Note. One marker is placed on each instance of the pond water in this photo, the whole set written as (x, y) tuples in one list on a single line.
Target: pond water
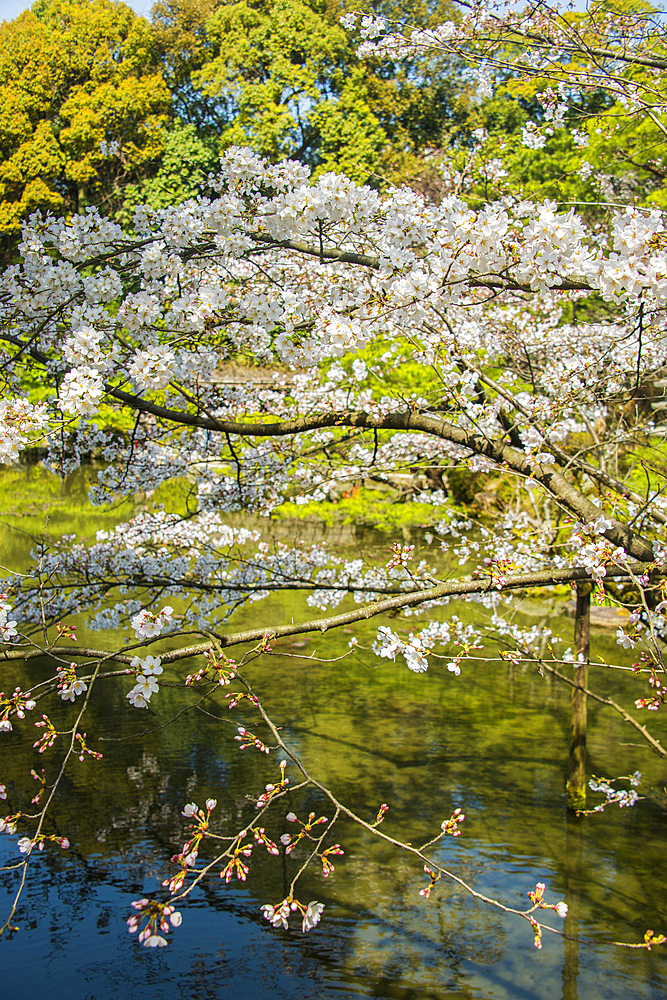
[(492, 741)]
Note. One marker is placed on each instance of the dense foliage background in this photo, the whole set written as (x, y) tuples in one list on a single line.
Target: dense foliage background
[(102, 107)]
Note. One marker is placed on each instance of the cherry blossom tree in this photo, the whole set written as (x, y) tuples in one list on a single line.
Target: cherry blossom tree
[(512, 346), (616, 48), (588, 83)]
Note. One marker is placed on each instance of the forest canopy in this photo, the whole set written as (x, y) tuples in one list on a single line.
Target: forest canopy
[(105, 108)]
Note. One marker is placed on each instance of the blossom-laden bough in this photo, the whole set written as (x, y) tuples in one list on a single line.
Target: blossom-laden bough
[(218, 848), (495, 366), (232, 852)]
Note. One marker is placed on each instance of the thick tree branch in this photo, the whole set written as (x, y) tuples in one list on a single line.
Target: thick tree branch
[(365, 260), (450, 588), (503, 454)]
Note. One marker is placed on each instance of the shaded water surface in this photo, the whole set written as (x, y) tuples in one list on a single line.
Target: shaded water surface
[(493, 741)]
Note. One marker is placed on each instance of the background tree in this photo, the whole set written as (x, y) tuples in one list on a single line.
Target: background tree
[(284, 79), (83, 107), (94, 96), (578, 105), (187, 161)]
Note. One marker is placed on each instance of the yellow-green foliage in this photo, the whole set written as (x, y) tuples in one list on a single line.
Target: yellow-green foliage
[(177, 495), (645, 470), (74, 74), (368, 507)]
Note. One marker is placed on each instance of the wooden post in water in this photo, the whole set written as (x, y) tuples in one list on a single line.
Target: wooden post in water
[(576, 779)]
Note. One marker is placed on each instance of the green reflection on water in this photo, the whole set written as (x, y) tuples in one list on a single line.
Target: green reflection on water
[(493, 741), (34, 503)]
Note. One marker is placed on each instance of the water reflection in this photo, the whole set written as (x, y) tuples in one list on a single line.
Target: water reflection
[(493, 741), (573, 888)]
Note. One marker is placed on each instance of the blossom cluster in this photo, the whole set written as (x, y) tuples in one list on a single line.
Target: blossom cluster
[(7, 625), (18, 703), (623, 796), (152, 369), (279, 914), (157, 919), (19, 421), (69, 685), (416, 647), (147, 625), (146, 669)]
